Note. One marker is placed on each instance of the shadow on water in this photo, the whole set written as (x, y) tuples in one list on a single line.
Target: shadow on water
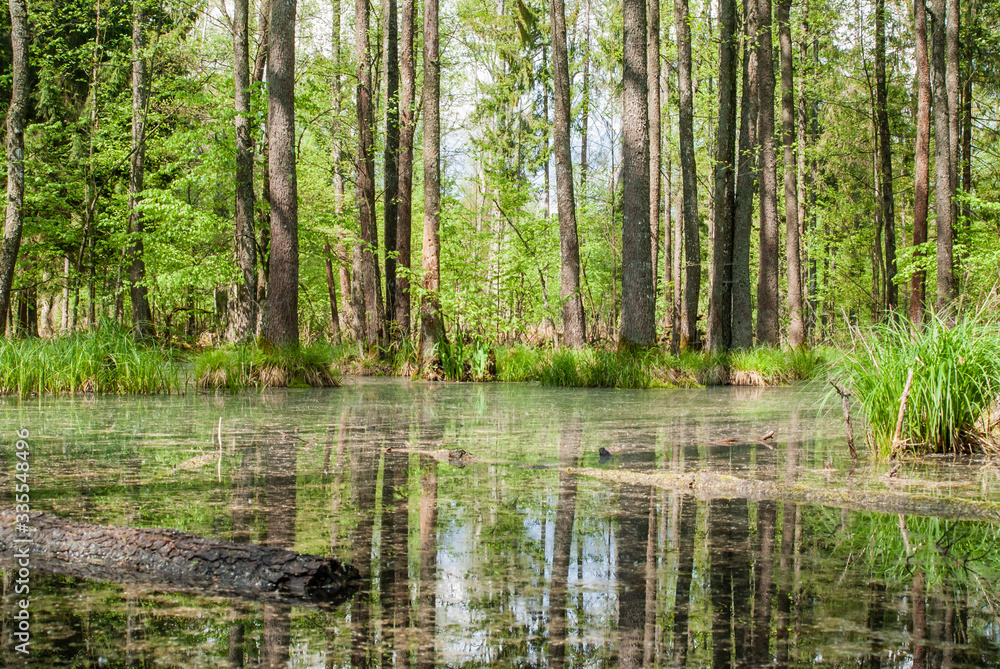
[(513, 558)]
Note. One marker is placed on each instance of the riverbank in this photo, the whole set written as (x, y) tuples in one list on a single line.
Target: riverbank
[(109, 361)]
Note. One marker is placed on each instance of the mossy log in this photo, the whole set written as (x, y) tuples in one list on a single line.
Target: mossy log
[(710, 485), (175, 561)]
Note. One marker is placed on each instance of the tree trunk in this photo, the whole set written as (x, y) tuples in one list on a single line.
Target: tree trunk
[(175, 561), (14, 219), (366, 271), (245, 319), (942, 163), (921, 161), (689, 177), (331, 288), (391, 173), (767, 274), (142, 317), (431, 323), (407, 126), (885, 159), (742, 328), (655, 139), (638, 325), (796, 327), (574, 326), (720, 306), (283, 283)]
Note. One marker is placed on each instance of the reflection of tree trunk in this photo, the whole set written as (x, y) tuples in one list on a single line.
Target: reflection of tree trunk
[(767, 513), (569, 453), (393, 581), (279, 482), (427, 599), (364, 476)]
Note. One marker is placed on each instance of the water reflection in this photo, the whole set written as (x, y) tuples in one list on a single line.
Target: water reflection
[(513, 559)]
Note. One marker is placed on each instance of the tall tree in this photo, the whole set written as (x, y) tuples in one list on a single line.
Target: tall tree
[(689, 178), (366, 270), (655, 140), (888, 203), (407, 126), (720, 306), (391, 172), (142, 317), (767, 274), (742, 316), (431, 323), (14, 218), (921, 159), (282, 327), (638, 324), (574, 326), (796, 327), (942, 160), (245, 315)]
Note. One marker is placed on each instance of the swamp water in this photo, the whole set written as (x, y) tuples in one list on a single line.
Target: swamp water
[(510, 556)]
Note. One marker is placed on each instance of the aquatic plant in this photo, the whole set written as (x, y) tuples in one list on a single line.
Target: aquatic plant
[(106, 360), (250, 365), (955, 384)]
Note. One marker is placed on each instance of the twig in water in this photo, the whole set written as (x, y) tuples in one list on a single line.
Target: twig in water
[(845, 397), (897, 435)]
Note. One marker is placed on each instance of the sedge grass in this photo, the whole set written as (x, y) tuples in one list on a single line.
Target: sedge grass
[(251, 366), (107, 360), (956, 382)]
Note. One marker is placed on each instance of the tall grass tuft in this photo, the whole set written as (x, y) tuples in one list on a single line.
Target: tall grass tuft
[(249, 365), (956, 383), (107, 360)]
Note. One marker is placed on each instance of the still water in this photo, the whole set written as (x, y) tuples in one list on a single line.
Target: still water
[(510, 557)]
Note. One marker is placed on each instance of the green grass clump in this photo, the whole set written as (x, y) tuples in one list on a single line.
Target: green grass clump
[(250, 365), (956, 382), (107, 360)]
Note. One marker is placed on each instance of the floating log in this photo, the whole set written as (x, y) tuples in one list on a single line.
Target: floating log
[(174, 561)]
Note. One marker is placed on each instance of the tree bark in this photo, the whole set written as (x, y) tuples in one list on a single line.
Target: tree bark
[(142, 317), (689, 177), (282, 327), (176, 561), (331, 288), (14, 218), (245, 317), (720, 306), (407, 125), (391, 172), (888, 203), (742, 316), (431, 323), (921, 161), (655, 138), (767, 274), (366, 271), (942, 162), (796, 327), (574, 326), (638, 324)]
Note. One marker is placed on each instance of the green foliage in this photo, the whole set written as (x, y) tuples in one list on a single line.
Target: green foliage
[(249, 365), (105, 361), (956, 381)]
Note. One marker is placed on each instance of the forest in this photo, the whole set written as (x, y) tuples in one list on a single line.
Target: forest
[(705, 175)]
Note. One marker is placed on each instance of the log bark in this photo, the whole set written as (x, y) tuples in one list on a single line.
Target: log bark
[(175, 561)]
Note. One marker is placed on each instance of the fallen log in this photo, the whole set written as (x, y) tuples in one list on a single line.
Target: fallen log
[(174, 561), (710, 485)]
